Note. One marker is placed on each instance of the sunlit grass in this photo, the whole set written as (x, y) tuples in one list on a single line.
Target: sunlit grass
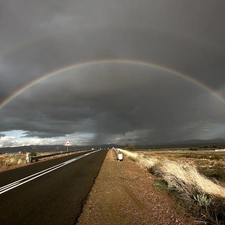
[(203, 197), (12, 159)]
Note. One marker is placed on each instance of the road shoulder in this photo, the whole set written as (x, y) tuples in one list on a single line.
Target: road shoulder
[(124, 193)]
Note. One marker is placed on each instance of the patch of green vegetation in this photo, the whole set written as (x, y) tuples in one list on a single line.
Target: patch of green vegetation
[(160, 185)]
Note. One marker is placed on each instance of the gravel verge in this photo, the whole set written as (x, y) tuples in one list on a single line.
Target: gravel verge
[(124, 193)]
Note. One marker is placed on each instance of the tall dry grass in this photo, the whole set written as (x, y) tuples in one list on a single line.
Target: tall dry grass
[(12, 159), (182, 177), (204, 199)]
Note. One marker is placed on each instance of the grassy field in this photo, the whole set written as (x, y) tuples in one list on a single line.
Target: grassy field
[(196, 179)]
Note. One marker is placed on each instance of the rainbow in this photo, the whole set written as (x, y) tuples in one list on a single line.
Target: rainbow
[(108, 61)]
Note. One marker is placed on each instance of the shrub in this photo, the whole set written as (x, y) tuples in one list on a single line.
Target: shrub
[(33, 154), (130, 147)]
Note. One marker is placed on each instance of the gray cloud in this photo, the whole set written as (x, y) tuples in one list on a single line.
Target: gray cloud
[(115, 102)]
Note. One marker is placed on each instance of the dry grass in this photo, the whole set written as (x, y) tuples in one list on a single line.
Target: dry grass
[(12, 159), (204, 198), (180, 176)]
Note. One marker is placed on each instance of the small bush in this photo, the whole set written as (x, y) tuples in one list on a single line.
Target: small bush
[(130, 147), (33, 154), (203, 200)]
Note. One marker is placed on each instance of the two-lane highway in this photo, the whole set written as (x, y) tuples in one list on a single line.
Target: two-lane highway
[(51, 192)]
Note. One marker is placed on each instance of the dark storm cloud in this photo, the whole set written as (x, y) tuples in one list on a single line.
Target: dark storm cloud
[(29, 63), (112, 104), (115, 102)]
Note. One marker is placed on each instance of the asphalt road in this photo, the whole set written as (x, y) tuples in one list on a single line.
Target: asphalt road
[(55, 198)]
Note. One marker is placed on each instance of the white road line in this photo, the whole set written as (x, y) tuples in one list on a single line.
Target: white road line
[(15, 182), (29, 178)]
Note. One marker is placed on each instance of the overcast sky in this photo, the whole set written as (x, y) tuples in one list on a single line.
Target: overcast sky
[(141, 72)]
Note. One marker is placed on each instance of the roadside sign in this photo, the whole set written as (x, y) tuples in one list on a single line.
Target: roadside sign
[(67, 144)]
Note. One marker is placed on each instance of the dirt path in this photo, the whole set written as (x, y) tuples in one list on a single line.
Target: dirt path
[(124, 193)]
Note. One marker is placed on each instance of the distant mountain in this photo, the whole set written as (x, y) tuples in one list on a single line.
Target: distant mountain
[(57, 148), (201, 142), (184, 143)]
